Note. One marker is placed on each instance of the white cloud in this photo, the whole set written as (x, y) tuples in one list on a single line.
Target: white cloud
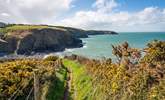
[(5, 14), (104, 15), (150, 18), (105, 5), (34, 11)]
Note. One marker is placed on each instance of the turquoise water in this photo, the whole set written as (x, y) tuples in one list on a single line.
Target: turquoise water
[(99, 46)]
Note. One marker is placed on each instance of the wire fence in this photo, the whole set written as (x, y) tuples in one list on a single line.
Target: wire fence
[(30, 93), (14, 96), (33, 91)]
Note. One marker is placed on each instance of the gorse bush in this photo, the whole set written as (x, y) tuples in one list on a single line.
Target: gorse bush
[(51, 58), (125, 52), (19, 74), (155, 52), (133, 77)]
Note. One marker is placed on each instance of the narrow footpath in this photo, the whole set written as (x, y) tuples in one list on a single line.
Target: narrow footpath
[(68, 86)]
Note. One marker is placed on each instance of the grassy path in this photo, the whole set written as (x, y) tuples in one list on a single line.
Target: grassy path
[(80, 84), (57, 87), (68, 85), (72, 83)]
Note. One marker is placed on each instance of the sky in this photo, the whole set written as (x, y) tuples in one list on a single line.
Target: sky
[(116, 15)]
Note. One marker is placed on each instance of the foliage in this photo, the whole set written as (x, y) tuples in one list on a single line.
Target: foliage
[(133, 77), (19, 73), (130, 79), (22, 27), (51, 58), (155, 52), (123, 51), (56, 88)]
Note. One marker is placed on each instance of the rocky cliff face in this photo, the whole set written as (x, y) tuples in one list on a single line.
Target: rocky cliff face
[(27, 39), (94, 32), (78, 33), (8, 44), (26, 42), (2, 25)]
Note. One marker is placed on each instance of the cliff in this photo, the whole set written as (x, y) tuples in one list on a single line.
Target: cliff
[(38, 40), (95, 32), (27, 39), (2, 25), (79, 33)]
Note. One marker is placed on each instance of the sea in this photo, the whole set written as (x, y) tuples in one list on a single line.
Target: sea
[(100, 46)]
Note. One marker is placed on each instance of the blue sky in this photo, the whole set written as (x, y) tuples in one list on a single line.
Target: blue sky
[(127, 5), (117, 15), (136, 5)]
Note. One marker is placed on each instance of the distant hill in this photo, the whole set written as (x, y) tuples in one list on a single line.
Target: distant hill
[(97, 32)]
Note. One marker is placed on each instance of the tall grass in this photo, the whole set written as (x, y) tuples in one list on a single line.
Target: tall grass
[(12, 28)]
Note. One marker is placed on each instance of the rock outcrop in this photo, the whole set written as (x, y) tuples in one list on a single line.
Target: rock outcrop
[(8, 44), (95, 32), (2, 25), (78, 33), (26, 42)]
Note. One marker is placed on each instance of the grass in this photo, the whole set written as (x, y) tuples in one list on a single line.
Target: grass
[(18, 27), (21, 27), (57, 87), (81, 86)]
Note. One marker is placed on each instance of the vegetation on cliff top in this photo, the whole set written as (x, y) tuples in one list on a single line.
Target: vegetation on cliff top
[(80, 33), (25, 27), (15, 27)]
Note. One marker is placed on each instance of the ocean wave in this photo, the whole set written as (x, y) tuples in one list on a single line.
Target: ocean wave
[(85, 46), (69, 50)]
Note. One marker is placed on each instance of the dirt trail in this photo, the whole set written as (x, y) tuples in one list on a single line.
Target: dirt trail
[(68, 86)]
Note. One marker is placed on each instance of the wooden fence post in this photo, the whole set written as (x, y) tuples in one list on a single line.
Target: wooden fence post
[(36, 85)]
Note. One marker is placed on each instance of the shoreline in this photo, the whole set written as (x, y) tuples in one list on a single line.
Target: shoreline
[(41, 55), (66, 52)]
